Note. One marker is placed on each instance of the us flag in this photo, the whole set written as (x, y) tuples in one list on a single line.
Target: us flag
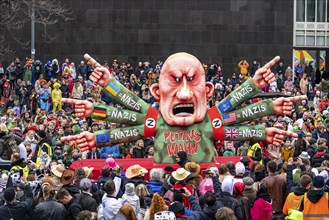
[(228, 118)]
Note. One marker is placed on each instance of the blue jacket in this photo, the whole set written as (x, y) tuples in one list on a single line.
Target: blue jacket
[(154, 187), (106, 151)]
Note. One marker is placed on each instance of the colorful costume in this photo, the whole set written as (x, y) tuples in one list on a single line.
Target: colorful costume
[(44, 94), (56, 96)]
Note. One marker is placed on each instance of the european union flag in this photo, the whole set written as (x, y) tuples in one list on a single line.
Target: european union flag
[(102, 138), (226, 105)]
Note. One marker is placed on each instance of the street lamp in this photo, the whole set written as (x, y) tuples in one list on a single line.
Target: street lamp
[(33, 30)]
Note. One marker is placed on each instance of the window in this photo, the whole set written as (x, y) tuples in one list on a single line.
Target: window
[(310, 15), (300, 10), (321, 10)]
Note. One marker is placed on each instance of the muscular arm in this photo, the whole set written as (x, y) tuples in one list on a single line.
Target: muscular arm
[(108, 113), (244, 92), (119, 135), (250, 112), (114, 89), (243, 133), (123, 96)]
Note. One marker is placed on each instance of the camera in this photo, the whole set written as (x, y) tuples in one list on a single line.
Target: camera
[(205, 172), (179, 190)]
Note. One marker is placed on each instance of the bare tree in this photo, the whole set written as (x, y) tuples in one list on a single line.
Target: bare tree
[(15, 14)]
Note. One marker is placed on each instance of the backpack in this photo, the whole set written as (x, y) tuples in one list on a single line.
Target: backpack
[(294, 213)]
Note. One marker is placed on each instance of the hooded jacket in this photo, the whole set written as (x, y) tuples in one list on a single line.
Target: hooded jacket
[(262, 208), (183, 158), (207, 212), (130, 197), (295, 197), (111, 206)]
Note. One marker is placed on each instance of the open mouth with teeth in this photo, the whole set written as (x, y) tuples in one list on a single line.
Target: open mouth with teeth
[(183, 109)]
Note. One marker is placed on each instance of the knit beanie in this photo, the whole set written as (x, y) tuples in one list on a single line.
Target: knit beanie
[(318, 182), (227, 185), (130, 189)]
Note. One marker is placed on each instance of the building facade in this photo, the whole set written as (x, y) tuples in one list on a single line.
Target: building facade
[(224, 31)]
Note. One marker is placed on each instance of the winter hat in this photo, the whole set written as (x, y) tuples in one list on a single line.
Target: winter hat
[(206, 185), (215, 169), (111, 162), (227, 185), (164, 215), (9, 194), (248, 182), (85, 183), (318, 182), (182, 155), (42, 133), (130, 189), (238, 188), (177, 208), (239, 168)]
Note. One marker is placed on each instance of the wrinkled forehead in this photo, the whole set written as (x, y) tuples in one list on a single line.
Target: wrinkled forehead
[(182, 62)]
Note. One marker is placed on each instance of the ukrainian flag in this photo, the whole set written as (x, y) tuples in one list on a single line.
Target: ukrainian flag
[(113, 89)]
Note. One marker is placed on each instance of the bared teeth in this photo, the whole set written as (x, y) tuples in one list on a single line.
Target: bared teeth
[(184, 105)]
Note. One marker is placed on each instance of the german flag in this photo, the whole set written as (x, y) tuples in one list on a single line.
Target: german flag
[(100, 112)]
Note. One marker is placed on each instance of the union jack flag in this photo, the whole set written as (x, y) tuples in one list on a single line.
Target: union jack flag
[(231, 133)]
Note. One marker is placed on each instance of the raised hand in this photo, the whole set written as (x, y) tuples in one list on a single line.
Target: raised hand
[(275, 136), (264, 76), (85, 140), (100, 75), (82, 108), (284, 106)]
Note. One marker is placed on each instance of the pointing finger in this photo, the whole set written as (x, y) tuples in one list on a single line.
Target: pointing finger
[(272, 62), (298, 98), (69, 101), (92, 61)]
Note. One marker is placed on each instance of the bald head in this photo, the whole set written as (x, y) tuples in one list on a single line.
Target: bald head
[(181, 58)]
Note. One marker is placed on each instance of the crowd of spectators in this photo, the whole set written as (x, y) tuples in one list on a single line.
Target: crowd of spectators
[(269, 182)]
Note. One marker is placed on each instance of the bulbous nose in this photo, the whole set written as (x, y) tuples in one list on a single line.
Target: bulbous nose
[(184, 93)]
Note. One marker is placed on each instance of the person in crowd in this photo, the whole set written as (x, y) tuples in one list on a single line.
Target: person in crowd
[(13, 209), (262, 207), (181, 158), (73, 207), (130, 197), (276, 186), (111, 205), (158, 204), (213, 201), (110, 152), (138, 149), (156, 180), (49, 208), (85, 198), (315, 202)]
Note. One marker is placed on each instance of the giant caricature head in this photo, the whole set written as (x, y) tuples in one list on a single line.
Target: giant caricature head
[(182, 90)]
